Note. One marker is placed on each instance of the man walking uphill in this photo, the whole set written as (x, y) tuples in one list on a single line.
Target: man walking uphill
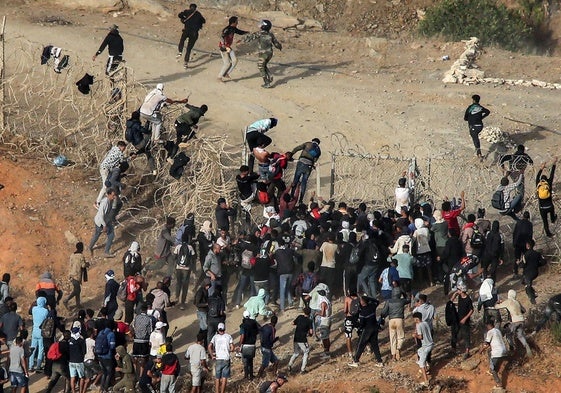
[(544, 185), (193, 21), (474, 115), (114, 42)]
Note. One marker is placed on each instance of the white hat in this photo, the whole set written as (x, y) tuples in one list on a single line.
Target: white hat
[(221, 326), (160, 86), (160, 325), (246, 314)]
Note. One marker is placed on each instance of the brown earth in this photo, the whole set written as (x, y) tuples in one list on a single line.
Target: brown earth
[(326, 82)]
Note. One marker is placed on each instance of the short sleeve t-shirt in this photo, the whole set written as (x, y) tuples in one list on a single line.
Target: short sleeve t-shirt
[(328, 250), (16, 354), (221, 344), (90, 349), (465, 305), (156, 340), (423, 328), (195, 353), (495, 339), (451, 217), (303, 326), (11, 323)]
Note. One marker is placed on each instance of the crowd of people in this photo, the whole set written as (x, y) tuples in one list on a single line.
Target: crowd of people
[(305, 253)]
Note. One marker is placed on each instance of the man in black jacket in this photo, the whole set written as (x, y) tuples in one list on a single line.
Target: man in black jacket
[(223, 213), (474, 115), (114, 42), (193, 21), (531, 262), (544, 185), (523, 232)]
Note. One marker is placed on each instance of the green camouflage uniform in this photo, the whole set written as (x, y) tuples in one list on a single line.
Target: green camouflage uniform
[(265, 42)]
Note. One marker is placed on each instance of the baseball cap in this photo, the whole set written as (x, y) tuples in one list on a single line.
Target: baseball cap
[(246, 314), (160, 325), (282, 376), (110, 273), (221, 326)]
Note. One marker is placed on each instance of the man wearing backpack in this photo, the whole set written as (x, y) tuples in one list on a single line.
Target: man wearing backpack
[(474, 115), (544, 186), (310, 154), (104, 350), (351, 309), (60, 363), (512, 194), (185, 261)]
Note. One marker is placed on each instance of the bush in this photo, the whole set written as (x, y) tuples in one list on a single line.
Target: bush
[(491, 22)]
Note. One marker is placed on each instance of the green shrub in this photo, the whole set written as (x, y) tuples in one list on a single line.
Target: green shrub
[(488, 20)]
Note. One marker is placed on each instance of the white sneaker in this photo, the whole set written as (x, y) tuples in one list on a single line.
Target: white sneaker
[(179, 54)]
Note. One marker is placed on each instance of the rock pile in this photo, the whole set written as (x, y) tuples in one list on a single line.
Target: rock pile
[(495, 135), (465, 71)]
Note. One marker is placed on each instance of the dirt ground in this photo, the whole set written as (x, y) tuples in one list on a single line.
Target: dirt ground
[(325, 82)]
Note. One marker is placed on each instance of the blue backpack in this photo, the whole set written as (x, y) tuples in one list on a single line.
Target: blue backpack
[(102, 343), (314, 151)]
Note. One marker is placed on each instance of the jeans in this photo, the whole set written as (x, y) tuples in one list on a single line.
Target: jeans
[(167, 383), (192, 37), (76, 290), (243, 282), (110, 236), (305, 349), (104, 173), (108, 371), (301, 176), (229, 61), (285, 280), (367, 280), (202, 317), (39, 349), (182, 284), (543, 213)]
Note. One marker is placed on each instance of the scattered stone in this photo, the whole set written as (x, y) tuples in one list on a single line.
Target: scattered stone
[(470, 364)]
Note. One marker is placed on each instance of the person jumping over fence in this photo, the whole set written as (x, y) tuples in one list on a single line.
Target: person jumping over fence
[(186, 123), (266, 41), (474, 115), (544, 185), (114, 43), (311, 153), (255, 132)]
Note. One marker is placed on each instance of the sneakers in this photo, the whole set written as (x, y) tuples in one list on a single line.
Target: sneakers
[(179, 54), (185, 65), (266, 85), (324, 356), (182, 307), (353, 364), (379, 364)]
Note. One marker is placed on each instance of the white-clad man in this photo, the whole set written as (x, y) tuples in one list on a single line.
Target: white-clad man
[(150, 109), (219, 348)]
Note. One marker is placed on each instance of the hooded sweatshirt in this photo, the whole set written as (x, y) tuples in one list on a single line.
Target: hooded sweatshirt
[(126, 360), (394, 308), (39, 313), (255, 305), (161, 299), (513, 306), (422, 236), (486, 290)]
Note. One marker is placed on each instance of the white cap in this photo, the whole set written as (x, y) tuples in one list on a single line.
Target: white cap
[(246, 314), (221, 326), (160, 325), (160, 86)]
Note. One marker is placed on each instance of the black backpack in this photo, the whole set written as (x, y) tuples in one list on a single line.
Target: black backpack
[(477, 239), (184, 259), (48, 327), (178, 166), (451, 314), (497, 200), (354, 258), (215, 306)]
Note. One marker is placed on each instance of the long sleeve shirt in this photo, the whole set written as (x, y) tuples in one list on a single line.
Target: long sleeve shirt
[(114, 42), (113, 158), (475, 114), (103, 215), (227, 37)]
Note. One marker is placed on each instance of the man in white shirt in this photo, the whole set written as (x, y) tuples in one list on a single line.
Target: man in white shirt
[(494, 342), (220, 347), (196, 354), (104, 223), (402, 195), (150, 109)]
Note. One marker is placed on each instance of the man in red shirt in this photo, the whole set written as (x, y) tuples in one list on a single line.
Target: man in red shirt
[(451, 216)]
